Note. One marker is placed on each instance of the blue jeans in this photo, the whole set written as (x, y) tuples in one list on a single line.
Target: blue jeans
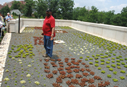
[(48, 45)]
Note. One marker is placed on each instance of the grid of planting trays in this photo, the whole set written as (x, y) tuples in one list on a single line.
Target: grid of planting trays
[(82, 61)]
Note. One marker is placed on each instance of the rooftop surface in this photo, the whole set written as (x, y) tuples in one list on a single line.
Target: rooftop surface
[(82, 61)]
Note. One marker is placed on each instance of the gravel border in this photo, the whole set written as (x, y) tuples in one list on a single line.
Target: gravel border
[(4, 46)]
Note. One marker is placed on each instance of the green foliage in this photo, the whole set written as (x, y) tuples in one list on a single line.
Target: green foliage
[(103, 71), (121, 59), (108, 66), (113, 58), (81, 57), (41, 7), (109, 59), (125, 58), (5, 10), (117, 60), (9, 52), (123, 63), (17, 5), (122, 77), (96, 65), (115, 72), (109, 76), (107, 62), (90, 58), (96, 58), (10, 56), (28, 7), (118, 67), (114, 54), (102, 56), (117, 57), (118, 64), (99, 68), (122, 71), (97, 55), (109, 55), (66, 7), (96, 61), (113, 61), (102, 60), (113, 65), (110, 69), (86, 59), (125, 66), (91, 63), (102, 63), (115, 80)]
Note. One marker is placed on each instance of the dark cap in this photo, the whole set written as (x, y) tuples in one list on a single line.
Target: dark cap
[(49, 10)]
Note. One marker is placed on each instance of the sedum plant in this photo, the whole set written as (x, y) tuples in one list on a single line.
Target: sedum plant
[(107, 62), (109, 76), (113, 65), (122, 77), (6, 79), (103, 71), (125, 66), (118, 67), (110, 69), (115, 80), (115, 72), (37, 82), (22, 81), (99, 68), (122, 71), (108, 66), (96, 65)]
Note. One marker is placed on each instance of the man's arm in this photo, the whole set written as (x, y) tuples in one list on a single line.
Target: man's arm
[(52, 34), (6, 18)]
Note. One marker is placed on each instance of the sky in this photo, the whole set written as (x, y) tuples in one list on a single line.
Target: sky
[(101, 5)]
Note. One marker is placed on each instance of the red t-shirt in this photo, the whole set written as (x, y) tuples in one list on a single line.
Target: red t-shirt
[(48, 24)]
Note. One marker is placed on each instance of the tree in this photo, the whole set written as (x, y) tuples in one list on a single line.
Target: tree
[(93, 17), (108, 17), (41, 8), (54, 6), (101, 17), (80, 13), (124, 16), (16, 5), (116, 20), (66, 8), (28, 7), (5, 10)]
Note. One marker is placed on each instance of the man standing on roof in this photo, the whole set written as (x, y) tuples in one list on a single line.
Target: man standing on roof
[(49, 33), (8, 18)]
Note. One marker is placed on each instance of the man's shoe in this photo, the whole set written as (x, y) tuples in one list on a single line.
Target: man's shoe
[(45, 55), (48, 57)]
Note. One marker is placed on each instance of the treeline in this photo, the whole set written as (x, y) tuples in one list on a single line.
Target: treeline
[(95, 16), (64, 9)]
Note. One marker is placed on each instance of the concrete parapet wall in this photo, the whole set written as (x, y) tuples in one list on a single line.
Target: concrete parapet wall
[(114, 33)]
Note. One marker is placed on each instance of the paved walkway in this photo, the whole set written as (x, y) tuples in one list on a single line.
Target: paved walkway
[(3, 53)]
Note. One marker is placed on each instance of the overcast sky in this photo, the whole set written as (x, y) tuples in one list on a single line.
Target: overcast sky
[(102, 5)]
